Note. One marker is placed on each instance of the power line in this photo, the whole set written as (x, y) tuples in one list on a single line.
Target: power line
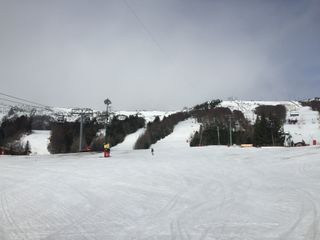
[(16, 102), (144, 27)]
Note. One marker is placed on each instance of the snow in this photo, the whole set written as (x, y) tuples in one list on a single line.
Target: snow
[(66, 113), (130, 140), (38, 140), (307, 127), (248, 107), (181, 136), (215, 192), (149, 116), (179, 193)]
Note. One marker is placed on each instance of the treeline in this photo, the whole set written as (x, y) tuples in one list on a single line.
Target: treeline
[(158, 129), (277, 112), (206, 105), (268, 128), (118, 130), (11, 130), (41, 122), (314, 104), (215, 127), (65, 137), (218, 123)]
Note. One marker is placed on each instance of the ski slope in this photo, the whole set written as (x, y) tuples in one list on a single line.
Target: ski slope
[(38, 140), (129, 141), (181, 136), (248, 107), (308, 121), (179, 193), (307, 127)]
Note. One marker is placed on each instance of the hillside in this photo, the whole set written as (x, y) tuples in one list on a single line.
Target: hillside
[(38, 141), (302, 123), (248, 107), (208, 192), (307, 125)]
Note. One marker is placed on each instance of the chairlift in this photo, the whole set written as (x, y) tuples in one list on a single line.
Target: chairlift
[(80, 111), (121, 117), (61, 119), (294, 114)]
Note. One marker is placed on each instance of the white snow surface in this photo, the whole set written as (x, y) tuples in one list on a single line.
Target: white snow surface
[(179, 193), (181, 136), (38, 140), (129, 141), (307, 127)]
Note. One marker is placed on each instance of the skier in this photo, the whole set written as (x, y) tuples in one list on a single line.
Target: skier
[(152, 151), (106, 150)]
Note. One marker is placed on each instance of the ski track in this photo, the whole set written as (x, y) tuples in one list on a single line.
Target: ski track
[(189, 194)]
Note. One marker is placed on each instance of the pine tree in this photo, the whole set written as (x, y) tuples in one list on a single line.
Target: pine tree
[(268, 131), (260, 135)]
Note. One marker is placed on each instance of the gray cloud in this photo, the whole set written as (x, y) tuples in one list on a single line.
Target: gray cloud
[(173, 53)]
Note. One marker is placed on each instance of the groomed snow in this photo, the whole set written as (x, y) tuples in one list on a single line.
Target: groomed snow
[(39, 140), (130, 140), (307, 127), (181, 135), (179, 138), (179, 193)]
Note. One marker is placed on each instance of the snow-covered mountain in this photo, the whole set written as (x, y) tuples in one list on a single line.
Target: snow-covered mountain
[(212, 192), (248, 107), (302, 123), (67, 114)]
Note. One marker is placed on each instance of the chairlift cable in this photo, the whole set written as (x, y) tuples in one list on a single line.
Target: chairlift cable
[(24, 100), (144, 27), (20, 103)]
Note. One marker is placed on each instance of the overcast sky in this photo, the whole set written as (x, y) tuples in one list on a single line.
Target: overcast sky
[(158, 54)]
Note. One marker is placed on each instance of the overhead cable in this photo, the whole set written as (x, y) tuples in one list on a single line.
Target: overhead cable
[(144, 27), (24, 100)]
